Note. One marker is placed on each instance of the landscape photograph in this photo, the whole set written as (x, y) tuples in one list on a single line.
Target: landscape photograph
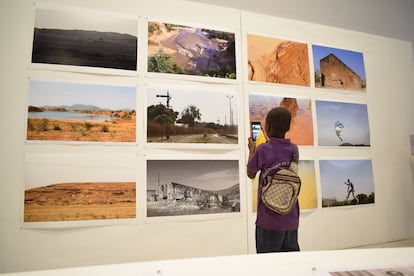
[(192, 187), (339, 69), (79, 187), (342, 124), (275, 60), (192, 114), (186, 50), (346, 182), (78, 37), (301, 126), (308, 196), (80, 112)]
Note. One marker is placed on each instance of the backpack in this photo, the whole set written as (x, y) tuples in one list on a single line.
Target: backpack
[(280, 192)]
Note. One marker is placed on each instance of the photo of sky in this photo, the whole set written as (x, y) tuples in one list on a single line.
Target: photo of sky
[(48, 93), (354, 120), (211, 175), (81, 19), (334, 174), (213, 105)]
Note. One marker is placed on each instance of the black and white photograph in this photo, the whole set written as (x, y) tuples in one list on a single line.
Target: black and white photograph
[(192, 187), (87, 38)]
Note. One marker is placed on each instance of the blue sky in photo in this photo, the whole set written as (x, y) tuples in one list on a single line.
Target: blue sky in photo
[(334, 173), (42, 93), (354, 118), (353, 60)]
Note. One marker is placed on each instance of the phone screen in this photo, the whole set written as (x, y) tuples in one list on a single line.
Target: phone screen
[(255, 130)]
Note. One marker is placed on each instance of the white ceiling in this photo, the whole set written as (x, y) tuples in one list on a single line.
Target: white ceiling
[(389, 18)]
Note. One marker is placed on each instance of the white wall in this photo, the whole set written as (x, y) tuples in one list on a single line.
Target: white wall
[(389, 70)]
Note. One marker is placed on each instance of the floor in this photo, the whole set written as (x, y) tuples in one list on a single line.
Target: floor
[(400, 243)]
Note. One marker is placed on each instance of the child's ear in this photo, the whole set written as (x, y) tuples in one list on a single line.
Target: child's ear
[(268, 129)]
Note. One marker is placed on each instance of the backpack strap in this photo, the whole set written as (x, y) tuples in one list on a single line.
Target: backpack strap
[(291, 165)]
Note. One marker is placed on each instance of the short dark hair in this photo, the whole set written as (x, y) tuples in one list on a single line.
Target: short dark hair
[(278, 122)]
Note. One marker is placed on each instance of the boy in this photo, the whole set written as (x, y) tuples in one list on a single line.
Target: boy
[(274, 232)]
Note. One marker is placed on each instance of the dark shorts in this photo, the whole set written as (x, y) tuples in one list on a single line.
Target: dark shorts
[(276, 241)]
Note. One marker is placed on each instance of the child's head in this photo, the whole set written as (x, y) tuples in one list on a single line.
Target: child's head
[(277, 122)]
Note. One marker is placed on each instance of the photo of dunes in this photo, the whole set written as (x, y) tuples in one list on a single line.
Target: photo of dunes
[(79, 112), (80, 201), (85, 38), (276, 60), (185, 50), (79, 187)]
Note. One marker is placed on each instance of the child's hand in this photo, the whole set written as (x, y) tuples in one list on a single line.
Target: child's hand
[(252, 145)]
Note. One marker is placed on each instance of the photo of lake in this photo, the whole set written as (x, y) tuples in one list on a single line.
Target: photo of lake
[(80, 112)]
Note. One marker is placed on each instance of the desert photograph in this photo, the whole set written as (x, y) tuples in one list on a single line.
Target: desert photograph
[(301, 126), (185, 115), (178, 49), (79, 112), (78, 37), (79, 187), (276, 60)]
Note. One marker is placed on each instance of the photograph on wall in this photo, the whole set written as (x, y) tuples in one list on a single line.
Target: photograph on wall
[(383, 271), (86, 38), (342, 124), (339, 69), (79, 187), (308, 196), (192, 187), (346, 182), (192, 114), (276, 60), (80, 112), (187, 50), (301, 126)]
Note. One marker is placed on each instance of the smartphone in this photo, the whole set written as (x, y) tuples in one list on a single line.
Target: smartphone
[(256, 126)]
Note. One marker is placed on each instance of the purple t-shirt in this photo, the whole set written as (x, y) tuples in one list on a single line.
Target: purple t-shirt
[(275, 151)]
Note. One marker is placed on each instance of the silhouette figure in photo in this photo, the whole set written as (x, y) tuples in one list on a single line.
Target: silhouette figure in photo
[(350, 189)]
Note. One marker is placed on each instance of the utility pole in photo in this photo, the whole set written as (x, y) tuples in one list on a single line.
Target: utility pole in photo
[(168, 112)]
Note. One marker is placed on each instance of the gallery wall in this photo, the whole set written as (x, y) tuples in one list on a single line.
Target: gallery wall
[(42, 245)]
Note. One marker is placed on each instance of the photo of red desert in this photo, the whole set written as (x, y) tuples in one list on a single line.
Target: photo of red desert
[(80, 201)]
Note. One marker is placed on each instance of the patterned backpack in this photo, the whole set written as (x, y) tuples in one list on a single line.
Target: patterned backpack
[(280, 191)]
